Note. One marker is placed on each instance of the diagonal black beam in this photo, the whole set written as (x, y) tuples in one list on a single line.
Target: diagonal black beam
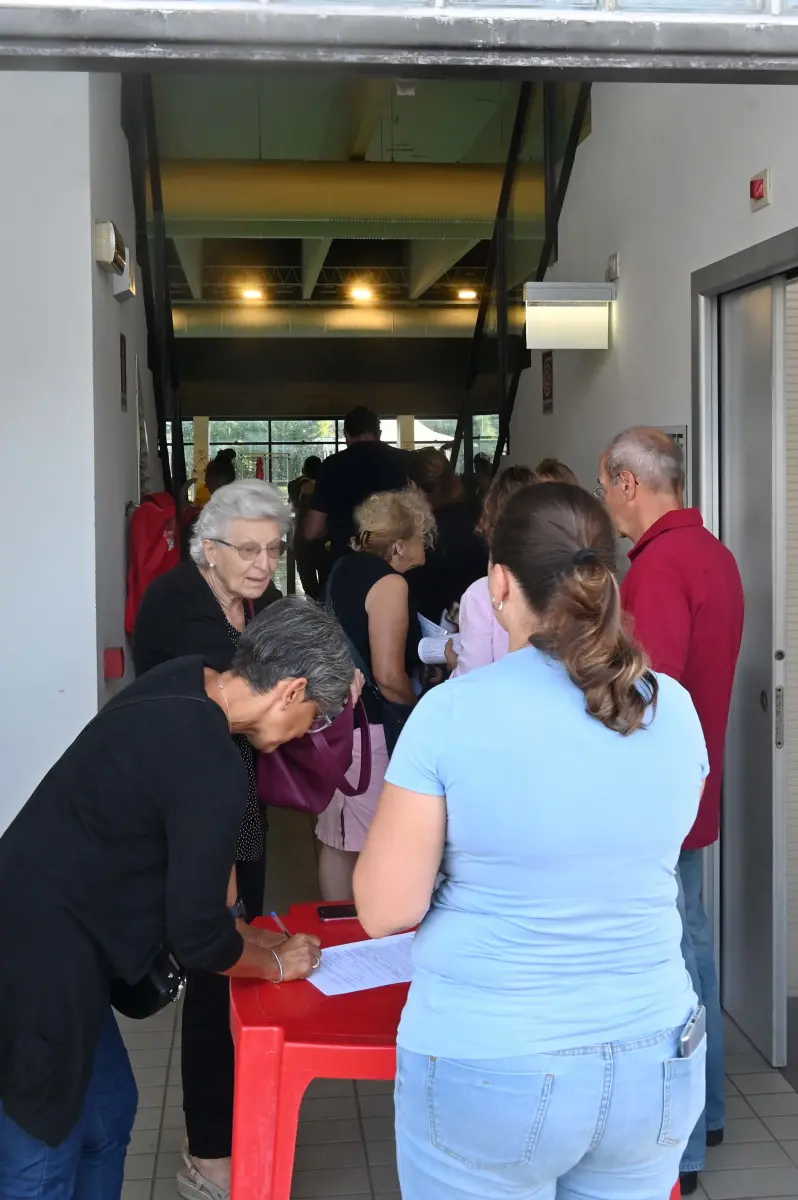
[(465, 416), (548, 249), (163, 301), (133, 125)]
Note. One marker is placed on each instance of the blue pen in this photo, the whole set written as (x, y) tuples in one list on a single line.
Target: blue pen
[(280, 924)]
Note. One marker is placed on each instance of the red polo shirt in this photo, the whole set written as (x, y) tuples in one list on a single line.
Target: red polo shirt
[(685, 596)]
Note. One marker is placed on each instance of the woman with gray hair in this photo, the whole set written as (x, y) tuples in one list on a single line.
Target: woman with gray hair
[(125, 850), (203, 607)]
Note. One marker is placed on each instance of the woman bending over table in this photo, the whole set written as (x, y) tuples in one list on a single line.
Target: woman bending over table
[(124, 850), (539, 1051)]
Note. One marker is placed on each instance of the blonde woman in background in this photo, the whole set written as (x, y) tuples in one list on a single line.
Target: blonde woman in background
[(370, 597), (551, 470), (482, 638)]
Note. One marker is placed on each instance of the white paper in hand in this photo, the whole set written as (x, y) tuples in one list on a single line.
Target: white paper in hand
[(360, 966)]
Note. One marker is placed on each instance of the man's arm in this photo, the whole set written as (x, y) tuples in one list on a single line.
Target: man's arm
[(315, 526), (661, 619)]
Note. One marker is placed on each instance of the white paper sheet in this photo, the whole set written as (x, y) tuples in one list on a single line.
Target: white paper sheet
[(359, 966)]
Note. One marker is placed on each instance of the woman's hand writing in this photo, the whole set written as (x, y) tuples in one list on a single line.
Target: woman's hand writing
[(265, 938), (299, 956)]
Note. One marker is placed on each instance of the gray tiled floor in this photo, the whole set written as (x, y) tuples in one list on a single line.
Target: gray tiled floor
[(345, 1145)]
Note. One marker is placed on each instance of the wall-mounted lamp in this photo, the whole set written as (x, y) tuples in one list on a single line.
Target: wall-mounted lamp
[(568, 316), (251, 293), (467, 294), (361, 293)]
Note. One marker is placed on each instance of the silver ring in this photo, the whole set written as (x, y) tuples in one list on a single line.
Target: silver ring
[(316, 963)]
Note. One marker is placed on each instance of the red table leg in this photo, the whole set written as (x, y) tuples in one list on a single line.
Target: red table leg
[(259, 1061)]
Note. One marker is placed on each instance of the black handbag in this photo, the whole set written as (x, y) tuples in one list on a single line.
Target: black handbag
[(163, 984)]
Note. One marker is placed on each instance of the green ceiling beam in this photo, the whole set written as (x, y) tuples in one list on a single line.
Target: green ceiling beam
[(314, 252), (402, 230), (191, 255), (429, 260)]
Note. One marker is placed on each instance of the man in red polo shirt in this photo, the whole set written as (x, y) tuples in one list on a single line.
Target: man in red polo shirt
[(684, 594)]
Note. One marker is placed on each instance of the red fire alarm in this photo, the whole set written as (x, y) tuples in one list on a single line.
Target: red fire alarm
[(759, 190), (114, 663)]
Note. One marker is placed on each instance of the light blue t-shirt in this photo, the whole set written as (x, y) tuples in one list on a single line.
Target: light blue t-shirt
[(556, 925)]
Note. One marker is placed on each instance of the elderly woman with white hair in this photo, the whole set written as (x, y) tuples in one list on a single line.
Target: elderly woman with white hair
[(202, 607)]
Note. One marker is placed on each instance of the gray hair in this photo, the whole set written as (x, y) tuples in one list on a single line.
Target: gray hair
[(652, 456), (246, 499), (296, 638)]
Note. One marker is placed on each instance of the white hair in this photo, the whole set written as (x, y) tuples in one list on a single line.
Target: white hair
[(652, 456), (246, 499)]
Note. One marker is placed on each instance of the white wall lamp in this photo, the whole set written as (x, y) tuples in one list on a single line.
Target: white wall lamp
[(568, 316)]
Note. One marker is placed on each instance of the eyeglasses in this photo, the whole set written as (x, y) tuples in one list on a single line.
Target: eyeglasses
[(249, 551), (320, 723), (600, 492)]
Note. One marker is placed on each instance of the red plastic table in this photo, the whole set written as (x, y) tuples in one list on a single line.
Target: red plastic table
[(288, 1035)]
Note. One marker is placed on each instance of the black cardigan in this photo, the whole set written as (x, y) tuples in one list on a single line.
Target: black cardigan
[(180, 615), (126, 844)]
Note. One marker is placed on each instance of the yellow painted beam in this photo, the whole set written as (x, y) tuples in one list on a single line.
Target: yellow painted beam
[(214, 190)]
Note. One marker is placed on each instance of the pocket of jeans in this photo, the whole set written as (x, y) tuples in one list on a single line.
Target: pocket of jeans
[(483, 1118), (684, 1091)]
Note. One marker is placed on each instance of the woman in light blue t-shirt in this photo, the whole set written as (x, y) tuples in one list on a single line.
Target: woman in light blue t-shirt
[(541, 1049)]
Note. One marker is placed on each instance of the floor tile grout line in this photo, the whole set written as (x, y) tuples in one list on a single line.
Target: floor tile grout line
[(362, 1128)]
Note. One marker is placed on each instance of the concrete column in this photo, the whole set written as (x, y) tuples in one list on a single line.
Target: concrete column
[(406, 431), (201, 448)]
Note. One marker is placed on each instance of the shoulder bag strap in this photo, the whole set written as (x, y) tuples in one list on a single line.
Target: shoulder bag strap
[(333, 767)]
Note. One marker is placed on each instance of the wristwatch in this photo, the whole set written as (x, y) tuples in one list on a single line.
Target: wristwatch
[(238, 911)]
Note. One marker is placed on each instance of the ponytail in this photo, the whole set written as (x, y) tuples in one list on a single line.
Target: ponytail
[(585, 631), (557, 541)]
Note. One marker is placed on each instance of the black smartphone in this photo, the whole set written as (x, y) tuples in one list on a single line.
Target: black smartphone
[(337, 912)]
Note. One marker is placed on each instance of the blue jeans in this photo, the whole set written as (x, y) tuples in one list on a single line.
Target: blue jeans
[(699, 956), (604, 1123), (90, 1163)]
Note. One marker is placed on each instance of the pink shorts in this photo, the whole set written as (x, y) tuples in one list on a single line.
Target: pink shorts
[(346, 822)]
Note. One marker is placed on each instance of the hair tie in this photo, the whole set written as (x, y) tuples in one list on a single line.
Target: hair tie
[(585, 556)]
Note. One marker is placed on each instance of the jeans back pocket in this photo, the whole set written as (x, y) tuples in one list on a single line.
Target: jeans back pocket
[(483, 1118), (683, 1097)]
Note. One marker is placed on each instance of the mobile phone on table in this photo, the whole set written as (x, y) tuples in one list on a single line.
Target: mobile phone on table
[(337, 912), (693, 1033)]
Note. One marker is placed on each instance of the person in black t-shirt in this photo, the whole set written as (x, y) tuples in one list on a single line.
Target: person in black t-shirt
[(348, 478), (369, 595), (460, 554), (126, 847)]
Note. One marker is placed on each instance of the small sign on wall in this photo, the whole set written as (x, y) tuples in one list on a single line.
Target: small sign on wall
[(547, 372)]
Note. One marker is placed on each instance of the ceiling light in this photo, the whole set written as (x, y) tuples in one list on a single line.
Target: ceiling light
[(466, 294), (568, 316), (361, 292), (252, 293)]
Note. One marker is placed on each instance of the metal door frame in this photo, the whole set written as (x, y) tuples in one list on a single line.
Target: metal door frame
[(756, 264), (754, 40)]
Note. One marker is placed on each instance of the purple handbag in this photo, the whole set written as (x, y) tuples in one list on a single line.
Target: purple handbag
[(305, 774)]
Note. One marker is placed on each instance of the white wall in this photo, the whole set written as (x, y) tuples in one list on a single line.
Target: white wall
[(116, 467), (663, 179), (63, 159), (46, 426)]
